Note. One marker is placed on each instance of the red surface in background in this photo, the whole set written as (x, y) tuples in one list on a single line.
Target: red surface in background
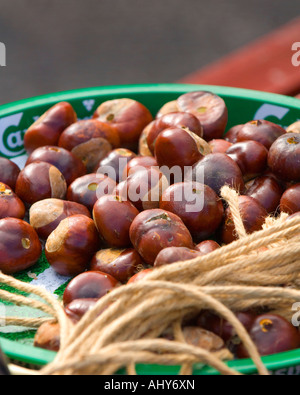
[(265, 65)]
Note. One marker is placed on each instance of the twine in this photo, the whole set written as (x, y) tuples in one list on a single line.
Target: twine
[(261, 270)]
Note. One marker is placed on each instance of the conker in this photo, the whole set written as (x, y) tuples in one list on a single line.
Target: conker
[(267, 190), (89, 285), (90, 140), (144, 188), (219, 145), (271, 334), (87, 189), (114, 163), (138, 163), (48, 336), (113, 217), (209, 108), (48, 128), (19, 245), (174, 254), (40, 180), (182, 120), (290, 200), (284, 157), (140, 275), (10, 204), (70, 247), (253, 215), (251, 157), (265, 132), (207, 246), (128, 116), (217, 170), (9, 172), (46, 215), (156, 229), (76, 309), (68, 164), (122, 264), (179, 147), (197, 205)]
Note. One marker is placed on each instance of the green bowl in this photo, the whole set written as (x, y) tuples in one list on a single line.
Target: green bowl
[(243, 105)]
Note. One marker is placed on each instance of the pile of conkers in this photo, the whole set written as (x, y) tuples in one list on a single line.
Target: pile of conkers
[(113, 197)]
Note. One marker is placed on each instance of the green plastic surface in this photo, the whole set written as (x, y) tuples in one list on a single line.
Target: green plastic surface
[(243, 105)]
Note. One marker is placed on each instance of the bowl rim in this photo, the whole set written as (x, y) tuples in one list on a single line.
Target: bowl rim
[(82, 93), (33, 355)]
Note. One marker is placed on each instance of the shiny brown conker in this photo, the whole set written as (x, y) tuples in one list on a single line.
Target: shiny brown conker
[(197, 205), (271, 334), (46, 215), (122, 264), (156, 229), (71, 246), (87, 189), (114, 163), (10, 204), (290, 200), (209, 108), (284, 157), (89, 285), (253, 215), (48, 128), (217, 170), (144, 188), (9, 172), (90, 140), (128, 116), (179, 147), (182, 120), (251, 157), (267, 190), (113, 217), (19, 245), (174, 254), (68, 164), (265, 132), (38, 181)]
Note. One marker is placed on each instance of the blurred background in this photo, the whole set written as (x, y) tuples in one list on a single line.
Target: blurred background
[(55, 45)]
